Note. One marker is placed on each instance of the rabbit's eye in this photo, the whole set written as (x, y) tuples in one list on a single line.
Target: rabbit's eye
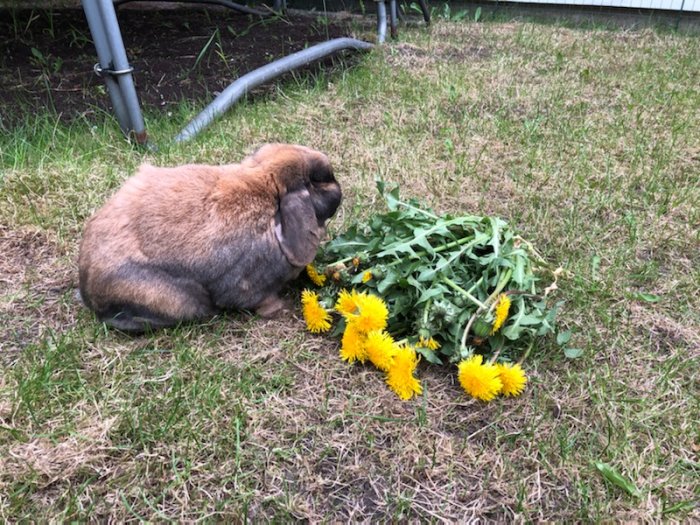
[(321, 172)]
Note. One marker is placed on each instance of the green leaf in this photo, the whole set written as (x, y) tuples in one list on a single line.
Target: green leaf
[(410, 250), (519, 271), (595, 267), (338, 329), (428, 274), (563, 337), (429, 355), (681, 506), (37, 54), (389, 280), (530, 320), (496, 234), (648, 297), (513, 332), (613, 476), (552, 314), (430, 293), (380, 185), (573, 353), (423, 242), (392, 198)]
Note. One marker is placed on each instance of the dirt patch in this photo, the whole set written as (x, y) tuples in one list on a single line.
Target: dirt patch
[(47, 57), (34, 285), (85, 450), (664, 334), (408, 55)]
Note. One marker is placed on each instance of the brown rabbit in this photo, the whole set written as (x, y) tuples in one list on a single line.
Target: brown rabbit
[(176, 244)]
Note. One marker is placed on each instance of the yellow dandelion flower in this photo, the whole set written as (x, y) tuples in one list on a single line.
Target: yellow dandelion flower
[(400, 376), (353, 345), (380, 349), (347, 302), (316, 317), (429, 343), (479, 380), (317, 278), (502, 308), (373, 313), (367, 276), (513, 378)]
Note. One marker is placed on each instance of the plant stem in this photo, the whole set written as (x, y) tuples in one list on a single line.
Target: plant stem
[(477, 283), (527, 352), (490, 301), (503, 281), (496, 354), (452, 244), (425, 311), (465, 293)]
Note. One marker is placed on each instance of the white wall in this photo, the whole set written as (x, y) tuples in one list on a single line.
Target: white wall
[(674, 5)]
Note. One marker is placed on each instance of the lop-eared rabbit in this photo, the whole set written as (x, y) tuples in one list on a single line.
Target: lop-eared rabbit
[(183, 243)]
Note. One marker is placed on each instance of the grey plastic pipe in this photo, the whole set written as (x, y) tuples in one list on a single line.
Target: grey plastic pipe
[(240, 87)]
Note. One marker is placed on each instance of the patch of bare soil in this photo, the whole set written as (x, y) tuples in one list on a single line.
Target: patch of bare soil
[(47, 57), (33, 288), (53, 461)]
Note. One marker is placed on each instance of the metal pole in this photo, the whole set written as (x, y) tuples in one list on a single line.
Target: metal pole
[(381, 21), (393, 17), (680, 13), (426, 11), (279, 6), (104, 55), (240, 87), (121, 65)]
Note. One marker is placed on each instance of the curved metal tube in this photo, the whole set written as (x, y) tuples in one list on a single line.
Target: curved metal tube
[(240, 87), (225, 3), (381, 22)]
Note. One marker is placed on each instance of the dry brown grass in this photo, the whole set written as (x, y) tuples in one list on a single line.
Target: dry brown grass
[(34, 277)]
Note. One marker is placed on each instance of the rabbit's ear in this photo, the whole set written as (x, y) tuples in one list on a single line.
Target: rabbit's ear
[(297, 228)]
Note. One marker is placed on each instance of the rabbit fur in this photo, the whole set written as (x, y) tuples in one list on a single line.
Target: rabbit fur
[(183, 243)]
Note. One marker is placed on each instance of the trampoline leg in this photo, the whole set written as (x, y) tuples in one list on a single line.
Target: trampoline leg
[(114, 66), (426, 12), (381, 21)]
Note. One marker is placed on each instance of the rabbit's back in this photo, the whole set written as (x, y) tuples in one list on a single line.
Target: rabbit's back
[(181, 243)]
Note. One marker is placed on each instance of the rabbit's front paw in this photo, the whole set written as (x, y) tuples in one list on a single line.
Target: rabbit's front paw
[(272, 306)]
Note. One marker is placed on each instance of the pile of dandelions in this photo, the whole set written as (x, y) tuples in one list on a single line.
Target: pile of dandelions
[(460, 291)]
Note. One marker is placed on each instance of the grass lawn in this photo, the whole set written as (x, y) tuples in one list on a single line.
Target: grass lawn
[(586, 140)]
